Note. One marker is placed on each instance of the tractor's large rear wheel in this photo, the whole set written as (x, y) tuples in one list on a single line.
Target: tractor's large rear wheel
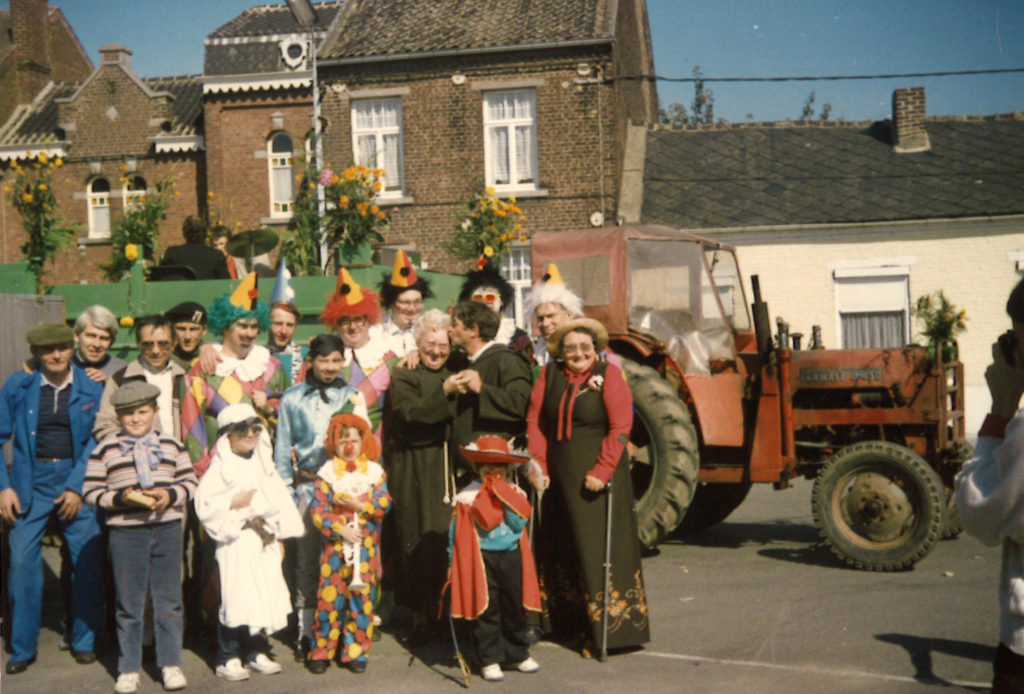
[(664, 456), (711, 505), (879, 506)]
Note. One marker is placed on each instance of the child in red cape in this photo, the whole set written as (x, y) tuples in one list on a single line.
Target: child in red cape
[(493, 577)]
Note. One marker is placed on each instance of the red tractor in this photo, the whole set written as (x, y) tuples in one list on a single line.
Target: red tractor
[(721, 403)]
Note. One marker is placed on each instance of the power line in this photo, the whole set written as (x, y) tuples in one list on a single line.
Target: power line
[(821, 78)]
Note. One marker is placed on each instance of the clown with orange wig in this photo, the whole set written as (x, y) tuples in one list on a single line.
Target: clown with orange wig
[(350, 500)]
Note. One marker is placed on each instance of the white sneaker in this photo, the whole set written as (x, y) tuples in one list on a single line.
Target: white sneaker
[(232, 671), (173, 678), (492, 673), (264, 665), (528, 665), (127, 683)]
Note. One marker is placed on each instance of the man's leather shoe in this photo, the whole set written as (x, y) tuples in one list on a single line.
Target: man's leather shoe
[(317, 667), (84, 657), (357, 666), (16, 667)]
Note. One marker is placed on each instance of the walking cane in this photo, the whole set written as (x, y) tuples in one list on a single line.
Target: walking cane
[(607, 577)]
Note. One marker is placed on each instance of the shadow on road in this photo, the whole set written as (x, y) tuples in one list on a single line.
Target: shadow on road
[(785, 541), (921, 648)]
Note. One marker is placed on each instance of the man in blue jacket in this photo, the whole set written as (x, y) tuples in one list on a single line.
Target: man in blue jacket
[(49, 415)]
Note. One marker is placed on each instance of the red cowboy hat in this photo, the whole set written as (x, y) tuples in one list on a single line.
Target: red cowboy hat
[(492, 450)]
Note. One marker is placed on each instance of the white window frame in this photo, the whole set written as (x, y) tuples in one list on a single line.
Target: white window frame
[(280, 204), (515, 267), (98, 200), (394, 179), (130, 196), (872, 290), (518, 181)]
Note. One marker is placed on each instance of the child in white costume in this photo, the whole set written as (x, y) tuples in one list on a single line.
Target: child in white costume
[(247, 510)]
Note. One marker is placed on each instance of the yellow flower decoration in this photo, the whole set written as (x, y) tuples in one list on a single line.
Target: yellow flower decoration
[(27, 197), (489, 191), (127, 321), (488, 251), (131, 252)]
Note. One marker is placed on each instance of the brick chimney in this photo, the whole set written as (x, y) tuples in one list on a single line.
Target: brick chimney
[(29, 30), (908, 131), (116, 54)]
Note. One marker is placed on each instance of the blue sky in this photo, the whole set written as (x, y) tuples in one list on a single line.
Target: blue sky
[(727, 38)]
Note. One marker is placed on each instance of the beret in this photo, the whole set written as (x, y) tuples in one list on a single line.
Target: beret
[(134, 393), (188, 311), (50, 334)]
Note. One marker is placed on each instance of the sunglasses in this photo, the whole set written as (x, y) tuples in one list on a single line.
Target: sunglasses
[(486, 298), (254, 424)]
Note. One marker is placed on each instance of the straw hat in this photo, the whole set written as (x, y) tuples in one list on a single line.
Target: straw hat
[(600, 335)]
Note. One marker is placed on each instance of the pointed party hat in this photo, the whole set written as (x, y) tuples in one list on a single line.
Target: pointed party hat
[(552, 275), (283, 292), (245, 294), (403, 274), (350, 300)]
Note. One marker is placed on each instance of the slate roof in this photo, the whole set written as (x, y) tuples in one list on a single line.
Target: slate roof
[(399, 27), (37, 124), (761, 176), (248, 44)]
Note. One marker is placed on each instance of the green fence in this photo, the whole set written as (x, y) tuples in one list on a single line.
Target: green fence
[(135, 297)]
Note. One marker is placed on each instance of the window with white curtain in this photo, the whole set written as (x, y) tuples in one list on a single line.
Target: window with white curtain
[(515, 267), (98, 196), (134, 190), (874, 306), (377, 139), (280, 151), (510, 139)]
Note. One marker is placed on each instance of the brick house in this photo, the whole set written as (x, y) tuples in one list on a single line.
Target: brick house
[(847, 224), (118, 135), (519, 96)]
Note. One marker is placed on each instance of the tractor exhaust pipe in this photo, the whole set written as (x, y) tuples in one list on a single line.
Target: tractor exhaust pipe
[(762, 323)]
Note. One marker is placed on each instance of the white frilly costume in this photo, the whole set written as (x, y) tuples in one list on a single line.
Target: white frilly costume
[(253, 589)]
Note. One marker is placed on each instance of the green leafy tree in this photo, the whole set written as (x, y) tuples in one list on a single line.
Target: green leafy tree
[(807, 112), (702, 108), (32, 195), (135, 233)]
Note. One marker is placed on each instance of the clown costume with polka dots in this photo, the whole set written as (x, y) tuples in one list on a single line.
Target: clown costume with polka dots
[(349, 503)]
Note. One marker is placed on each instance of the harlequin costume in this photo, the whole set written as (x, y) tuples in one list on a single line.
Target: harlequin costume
[(234, 380), (345, 615), (493, 578)]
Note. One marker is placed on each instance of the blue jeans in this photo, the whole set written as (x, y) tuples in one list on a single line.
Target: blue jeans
[(230, 640), (147, 558), (25, 579)]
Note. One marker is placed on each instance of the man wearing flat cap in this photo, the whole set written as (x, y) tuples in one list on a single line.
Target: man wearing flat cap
[(49, 416), (188, 320)]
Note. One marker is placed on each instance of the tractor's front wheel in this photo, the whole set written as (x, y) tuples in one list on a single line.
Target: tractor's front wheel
[(879, 506), (663, 454)]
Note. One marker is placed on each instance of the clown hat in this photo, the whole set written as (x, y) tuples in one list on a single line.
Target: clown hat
[(283, 292), (245, 294), (403, 278), (350, 300), (492, 450), (552, 275)]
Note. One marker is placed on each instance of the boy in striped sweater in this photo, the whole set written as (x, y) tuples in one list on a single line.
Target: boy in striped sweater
[(142, 480)]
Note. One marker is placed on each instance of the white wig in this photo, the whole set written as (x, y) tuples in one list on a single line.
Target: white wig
[(547, 293)]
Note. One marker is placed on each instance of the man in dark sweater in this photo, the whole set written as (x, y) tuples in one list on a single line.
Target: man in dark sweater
[(494, 390), (206, 262), (48, 414)]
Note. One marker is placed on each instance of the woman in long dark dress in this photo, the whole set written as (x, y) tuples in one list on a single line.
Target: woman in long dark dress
[(578, 424), (419, 477)]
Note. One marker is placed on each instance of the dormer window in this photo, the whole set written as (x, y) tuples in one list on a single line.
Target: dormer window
[(293, 52)]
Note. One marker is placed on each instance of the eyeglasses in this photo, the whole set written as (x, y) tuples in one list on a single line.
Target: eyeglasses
[(489, 297), (150, 344), (253, 424), (352, 320), (585, 348), (412, 303)]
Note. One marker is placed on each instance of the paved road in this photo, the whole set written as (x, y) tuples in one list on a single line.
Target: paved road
[(754, 605)]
